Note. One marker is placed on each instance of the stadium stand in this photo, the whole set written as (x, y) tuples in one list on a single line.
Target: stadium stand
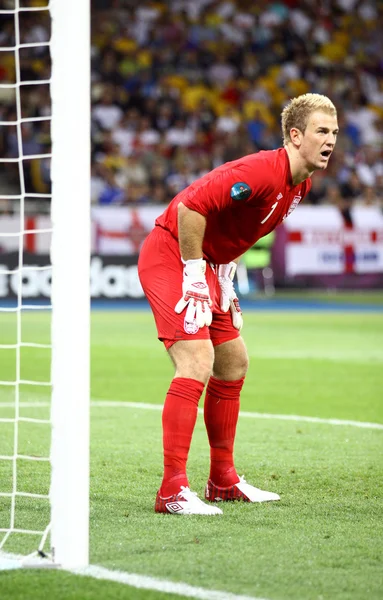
[(179, 87)]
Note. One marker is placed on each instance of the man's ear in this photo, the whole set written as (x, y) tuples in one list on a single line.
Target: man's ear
[(296, 136)]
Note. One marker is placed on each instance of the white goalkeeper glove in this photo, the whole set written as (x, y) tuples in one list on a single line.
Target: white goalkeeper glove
[(229, 298), (195, 294)]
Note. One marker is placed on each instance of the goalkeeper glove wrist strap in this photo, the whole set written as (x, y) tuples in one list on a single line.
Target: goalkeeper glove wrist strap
[(194, 267), (227, 271)]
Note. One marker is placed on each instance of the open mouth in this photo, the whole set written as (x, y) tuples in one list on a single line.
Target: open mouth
[(326, 153)]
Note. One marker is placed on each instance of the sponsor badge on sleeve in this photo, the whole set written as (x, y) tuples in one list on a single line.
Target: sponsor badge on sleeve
[(240, 191)]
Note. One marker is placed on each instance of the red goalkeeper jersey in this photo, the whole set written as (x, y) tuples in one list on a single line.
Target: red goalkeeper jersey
[(242, 201)]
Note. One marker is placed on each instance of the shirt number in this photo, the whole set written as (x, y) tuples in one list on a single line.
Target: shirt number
[(274, 206)]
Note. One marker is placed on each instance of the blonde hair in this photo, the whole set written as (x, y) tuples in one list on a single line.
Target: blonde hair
[(296, 113)]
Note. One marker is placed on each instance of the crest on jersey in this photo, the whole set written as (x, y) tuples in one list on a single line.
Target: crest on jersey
[(293, 205), (240, 191)]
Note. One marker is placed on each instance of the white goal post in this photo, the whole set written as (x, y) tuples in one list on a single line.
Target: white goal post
[(70, 290), (70, 257)]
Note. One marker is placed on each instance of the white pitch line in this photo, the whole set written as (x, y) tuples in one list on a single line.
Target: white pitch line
[(143, 582), (38, 404), (251, 415), (247, 415), (361, 424), (159, 585)]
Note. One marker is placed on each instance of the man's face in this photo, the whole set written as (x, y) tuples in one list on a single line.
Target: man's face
[(318, 141)]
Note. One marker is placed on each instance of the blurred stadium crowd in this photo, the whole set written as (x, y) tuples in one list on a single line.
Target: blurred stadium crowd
[(182, 86)]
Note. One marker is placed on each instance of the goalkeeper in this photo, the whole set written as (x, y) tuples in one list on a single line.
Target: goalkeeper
[(186, 268)]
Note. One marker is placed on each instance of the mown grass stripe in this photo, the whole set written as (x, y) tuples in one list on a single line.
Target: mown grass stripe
[(244, 414)]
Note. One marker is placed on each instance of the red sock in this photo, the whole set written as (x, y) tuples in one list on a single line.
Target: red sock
[(178, 420), (221, 416)]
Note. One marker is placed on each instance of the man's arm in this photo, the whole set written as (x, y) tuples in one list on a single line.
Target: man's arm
[(195, 291), (191, 231)]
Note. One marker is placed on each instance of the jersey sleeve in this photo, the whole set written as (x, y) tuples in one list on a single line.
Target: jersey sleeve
[(245, 183)]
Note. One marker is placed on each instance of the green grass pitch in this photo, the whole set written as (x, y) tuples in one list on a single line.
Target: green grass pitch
[(323, 540)]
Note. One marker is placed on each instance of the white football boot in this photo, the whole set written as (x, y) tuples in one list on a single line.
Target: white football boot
[(185, 502), (239, 491)]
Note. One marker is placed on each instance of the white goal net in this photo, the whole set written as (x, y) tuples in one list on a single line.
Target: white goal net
[(44, 348)]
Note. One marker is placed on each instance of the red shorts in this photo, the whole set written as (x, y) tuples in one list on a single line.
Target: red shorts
[(161, 274)]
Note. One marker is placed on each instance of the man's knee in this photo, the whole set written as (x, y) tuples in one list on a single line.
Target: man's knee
[(234, 369), (241, 364), (193, 359), (231, 360)]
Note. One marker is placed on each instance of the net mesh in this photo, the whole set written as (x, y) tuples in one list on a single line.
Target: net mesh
[(24, 337)]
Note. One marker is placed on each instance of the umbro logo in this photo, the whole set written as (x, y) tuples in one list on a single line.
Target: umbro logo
[(280, 195), (199, 285), (174, 507)]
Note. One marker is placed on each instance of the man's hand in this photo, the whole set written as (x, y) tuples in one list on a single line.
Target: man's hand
[(229, 298), (195, 294)]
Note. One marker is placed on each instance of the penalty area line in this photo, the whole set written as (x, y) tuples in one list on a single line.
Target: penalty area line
[(10, 561), (159, 585), (96, 403), (246, 415)]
